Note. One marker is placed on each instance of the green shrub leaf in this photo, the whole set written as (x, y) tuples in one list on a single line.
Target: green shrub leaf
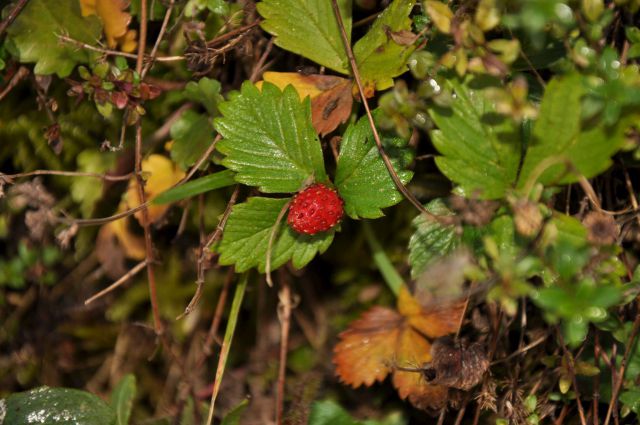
[(192, 134), (559, 138), (361, 176), (309, 28), (379, 56), (269, 139), (480, 150), (246, 237), (122, 399), (54, 406), (431, 239), (34, 35), (206, 92)]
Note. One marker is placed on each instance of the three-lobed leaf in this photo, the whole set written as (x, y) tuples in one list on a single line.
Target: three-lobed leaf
[(245, 241), (480, 150), (378, 55), (268, 139), (563, 146), (362, 179), (309, 28), (34, 35)]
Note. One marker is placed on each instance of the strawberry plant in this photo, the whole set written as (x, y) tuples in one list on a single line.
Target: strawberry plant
[(319, 211)]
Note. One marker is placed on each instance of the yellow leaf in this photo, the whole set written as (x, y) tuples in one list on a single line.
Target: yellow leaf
[(163, 174), (132, 245), (440, 14), (113, 16), (128, 42)]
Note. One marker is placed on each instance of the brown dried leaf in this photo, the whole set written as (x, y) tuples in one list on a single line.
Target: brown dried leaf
[(382, 339), (457, 364), (366, 350), (331, 97)]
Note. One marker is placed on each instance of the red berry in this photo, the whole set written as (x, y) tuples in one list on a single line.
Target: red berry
[(316, 209)]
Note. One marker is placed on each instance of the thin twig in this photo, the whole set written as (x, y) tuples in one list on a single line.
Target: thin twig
[(226, 36), (284, 314), (154, 50), (212, 335), (105, 177), (385, 158), (110, 52), (619, 379), (13, 14), (570, 365), (22, 72), (201, 161), (125, 277), (272, 238), (257, 69)]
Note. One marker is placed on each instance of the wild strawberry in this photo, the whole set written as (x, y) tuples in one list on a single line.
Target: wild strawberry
[(316, 209)]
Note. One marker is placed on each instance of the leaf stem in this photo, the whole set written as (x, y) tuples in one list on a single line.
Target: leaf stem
[(226, 343), (389, 273)]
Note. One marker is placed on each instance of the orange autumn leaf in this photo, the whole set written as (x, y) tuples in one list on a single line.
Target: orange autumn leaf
[(383, 338), (115, 21), (331, 97)]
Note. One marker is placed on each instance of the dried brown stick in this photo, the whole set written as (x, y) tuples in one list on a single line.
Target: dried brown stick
[(154, 50), (570, 366), (619, 379), (105, 177), (125, 277), (110, 52), (17, 77), (13, 14), (284, 313), (385, 158)]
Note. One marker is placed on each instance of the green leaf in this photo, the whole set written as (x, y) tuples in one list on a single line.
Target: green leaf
[(329, 412), (431, 239), (269, 139), (34, 35), (559, 138), (309, 28), (206, 92), (55, 406), (234, 415), (122, 399), (378, 56), (245, 240), (195, 187), (88, 190), (362, 179), (480, 150), (192, 134)]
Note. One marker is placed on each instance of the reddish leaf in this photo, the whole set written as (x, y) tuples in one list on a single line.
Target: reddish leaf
[(382, 340)]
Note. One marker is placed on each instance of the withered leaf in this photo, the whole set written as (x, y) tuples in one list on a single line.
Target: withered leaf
[(331, 96), (383, 338), (456, 363)]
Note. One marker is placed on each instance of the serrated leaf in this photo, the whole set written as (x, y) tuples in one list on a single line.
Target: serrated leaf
[(34, 35), (122, 399), (377, 54), (361, 176), (560, 138), (309, 28), (206, 91), (269, 140), (195, 187), (192, 134), (430, 239), (246, 237), (54, 406), (480, 150)]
